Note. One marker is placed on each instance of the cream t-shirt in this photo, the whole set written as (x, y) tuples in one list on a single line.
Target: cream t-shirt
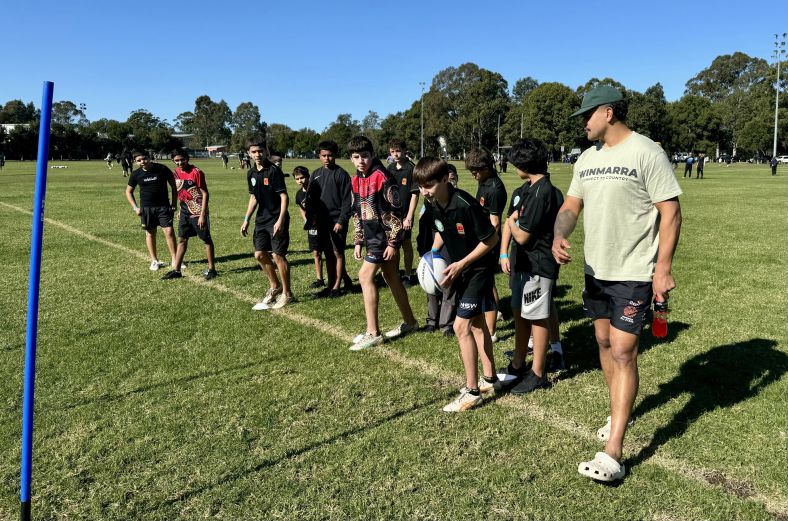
[(619, 187)]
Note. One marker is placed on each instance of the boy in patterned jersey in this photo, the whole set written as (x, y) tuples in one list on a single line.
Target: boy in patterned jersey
[(193, 195), (378, 229)]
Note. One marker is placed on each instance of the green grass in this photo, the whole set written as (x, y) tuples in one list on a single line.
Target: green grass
[(159, 400)]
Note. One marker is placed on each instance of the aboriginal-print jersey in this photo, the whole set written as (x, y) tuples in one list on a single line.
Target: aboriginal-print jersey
[(376, 209), (188, 185)]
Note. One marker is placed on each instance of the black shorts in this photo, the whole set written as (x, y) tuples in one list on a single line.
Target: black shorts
[(338, 240), (265, 240), (374, 257), (474, 291), (406, 235), (624, 303), (313, 240), (153, 216), (188, 227)]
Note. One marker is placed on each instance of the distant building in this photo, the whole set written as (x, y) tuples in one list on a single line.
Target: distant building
[(8, 127), (215, 150)]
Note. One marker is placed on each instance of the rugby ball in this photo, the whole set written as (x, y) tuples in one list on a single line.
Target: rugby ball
[(430, 272)]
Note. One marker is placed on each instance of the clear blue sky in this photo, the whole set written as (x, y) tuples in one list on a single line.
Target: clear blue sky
[(305, 62)]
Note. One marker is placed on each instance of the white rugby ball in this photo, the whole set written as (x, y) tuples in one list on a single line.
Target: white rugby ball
[(430, 273)]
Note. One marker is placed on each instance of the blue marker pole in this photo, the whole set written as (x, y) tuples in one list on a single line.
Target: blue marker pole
[(32, 300)]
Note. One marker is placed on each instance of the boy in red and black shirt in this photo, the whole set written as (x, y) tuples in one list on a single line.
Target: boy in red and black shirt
[(378, 229), (193, 195)]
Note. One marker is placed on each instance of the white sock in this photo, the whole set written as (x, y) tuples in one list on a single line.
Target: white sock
[(556, 347)]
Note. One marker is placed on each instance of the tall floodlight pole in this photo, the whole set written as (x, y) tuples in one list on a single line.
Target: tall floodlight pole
[(422, 84), (779, 51)]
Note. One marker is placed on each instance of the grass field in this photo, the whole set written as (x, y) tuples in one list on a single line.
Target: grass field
[(161, 400)]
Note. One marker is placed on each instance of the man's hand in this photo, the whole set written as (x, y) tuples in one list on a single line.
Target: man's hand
[(337, 227), (560, 250), (661, 284)]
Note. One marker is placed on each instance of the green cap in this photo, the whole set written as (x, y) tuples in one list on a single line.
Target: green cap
[(599, 95)]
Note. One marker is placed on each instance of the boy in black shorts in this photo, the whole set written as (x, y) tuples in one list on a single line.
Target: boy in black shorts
[(464, 227), (267, 193), (155, 210), (331, 183), (193, 195), (402, 171), (305, 206), (534, 270), (377, 228), (491, 194)]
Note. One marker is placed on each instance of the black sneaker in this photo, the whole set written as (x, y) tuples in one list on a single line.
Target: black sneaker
[(429, 328), (324, 293), (335, 293), (448, 333), (555, 362), (531, 383), (318, 283), (172, 275), (508, 377), (209, 274)]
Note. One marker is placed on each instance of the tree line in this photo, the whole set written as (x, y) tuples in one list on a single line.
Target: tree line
[(727, 107)]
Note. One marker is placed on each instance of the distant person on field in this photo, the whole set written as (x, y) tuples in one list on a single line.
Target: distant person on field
[(193, 220), (154, 210), (125, 164), (307, 207), (108, 159), (688, 166), (2, 160), (225, 160), (333, 207), (699, 168), (632, 223), (533, 269), (402, 171), (491, 194), (377, 228), (271, 238), (463, 227), (773, 164)]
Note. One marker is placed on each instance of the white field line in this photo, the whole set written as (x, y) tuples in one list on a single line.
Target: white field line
[(775, 505)]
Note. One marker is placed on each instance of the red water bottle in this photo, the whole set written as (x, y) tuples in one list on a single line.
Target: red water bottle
[(659, 326)]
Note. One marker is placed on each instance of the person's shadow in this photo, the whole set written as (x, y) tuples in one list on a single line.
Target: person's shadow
[(720, 377)]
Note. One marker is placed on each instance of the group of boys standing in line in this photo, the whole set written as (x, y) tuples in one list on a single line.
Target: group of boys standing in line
[(625, 183)]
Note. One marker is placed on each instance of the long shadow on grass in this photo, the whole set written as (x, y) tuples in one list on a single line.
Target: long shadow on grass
[(294, 453), (721, 377), (168, 383)]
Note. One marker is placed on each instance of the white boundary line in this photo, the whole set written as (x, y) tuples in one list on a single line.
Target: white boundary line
[(775, 505)]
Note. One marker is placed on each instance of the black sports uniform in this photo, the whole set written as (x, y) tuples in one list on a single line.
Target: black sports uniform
[(154, 195), (266, 185)]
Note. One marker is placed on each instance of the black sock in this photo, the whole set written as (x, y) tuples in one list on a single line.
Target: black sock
[(490, 379), (474, 392)]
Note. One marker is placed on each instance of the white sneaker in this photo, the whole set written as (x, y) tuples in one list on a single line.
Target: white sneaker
[(184, 265), (499, 317), (282, 300), (402, 330), (260, 306), (367, 341), (155, 265), (494, 337), (358, 337), (463, 402), (271, 295), (486, 388)]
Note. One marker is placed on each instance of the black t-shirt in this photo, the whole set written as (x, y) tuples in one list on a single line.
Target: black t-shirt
[(303, 199), (266, 185), (154, 185), (538, 210), (463, 224), (514, 205), (404, 178), (491, 194), (333, 189)]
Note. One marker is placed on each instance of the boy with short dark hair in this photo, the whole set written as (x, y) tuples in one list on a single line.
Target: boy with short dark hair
[(454, 179), (464, 227), (154, 209), (268, 193), (332, 185), (306, 207), (491, 194), (402, 171), (377, 228), (534, 270), (193, 195)]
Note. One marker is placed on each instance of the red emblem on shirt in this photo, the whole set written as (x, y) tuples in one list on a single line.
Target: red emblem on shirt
[(265, 181), (481, 201), (460, 229), (404, 180)]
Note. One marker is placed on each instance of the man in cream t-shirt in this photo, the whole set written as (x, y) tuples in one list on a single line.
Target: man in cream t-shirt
[(627, 187)]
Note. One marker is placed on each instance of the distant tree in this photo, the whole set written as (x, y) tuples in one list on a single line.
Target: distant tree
[(522, 88), (16, 111), (341, 130), (648, 113), (209, 122), (305, 142), (66, 113), (595, 82), (245, 122), (280, 138), (693, 120)]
